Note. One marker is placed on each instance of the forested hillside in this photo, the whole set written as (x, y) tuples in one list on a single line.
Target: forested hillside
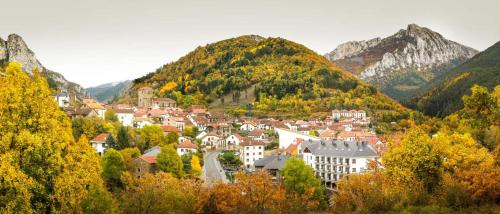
[(287, 80), (444, 94)]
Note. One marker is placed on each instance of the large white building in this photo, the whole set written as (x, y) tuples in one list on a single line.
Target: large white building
[(250, 151), (287, 137), (333, 160), (358, 114)]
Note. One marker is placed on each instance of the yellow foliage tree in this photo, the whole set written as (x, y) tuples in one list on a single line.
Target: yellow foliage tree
[(168, 87), (45, 164), (195, 165)]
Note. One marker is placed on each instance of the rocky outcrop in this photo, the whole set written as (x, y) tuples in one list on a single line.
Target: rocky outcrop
[(16, 50), (400, 64), (352, 48)]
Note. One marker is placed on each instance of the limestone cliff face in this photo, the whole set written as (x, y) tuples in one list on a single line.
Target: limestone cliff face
[(16, 50), (351, 48), (403, 62)]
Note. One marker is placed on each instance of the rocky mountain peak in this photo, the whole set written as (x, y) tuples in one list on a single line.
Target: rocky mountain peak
[(401, 62), (18, 51)]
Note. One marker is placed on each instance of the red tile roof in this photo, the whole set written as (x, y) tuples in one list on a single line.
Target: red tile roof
[(256, 133), (149, 159), (101, 138), (168, 128), (157, 112), (188, 145)]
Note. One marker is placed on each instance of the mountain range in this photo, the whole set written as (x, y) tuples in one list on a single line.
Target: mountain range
[(107, 92), (14, 49), (401, 64)]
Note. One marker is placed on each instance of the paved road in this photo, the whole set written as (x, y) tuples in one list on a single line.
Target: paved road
[(212, 170)]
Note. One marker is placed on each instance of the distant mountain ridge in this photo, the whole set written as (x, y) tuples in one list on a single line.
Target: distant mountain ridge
[(402, 63), (444, 95), (107, 92), (14, 49)]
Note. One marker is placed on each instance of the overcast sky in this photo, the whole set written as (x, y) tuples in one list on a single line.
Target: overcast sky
[(98, 41)]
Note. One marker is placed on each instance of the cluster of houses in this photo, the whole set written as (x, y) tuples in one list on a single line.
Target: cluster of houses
[(335, 147)]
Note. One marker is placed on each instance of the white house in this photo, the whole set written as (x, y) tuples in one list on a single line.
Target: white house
[(140, 122), (201, 135), (234, 139), (247, 126), (287, 137), (251, 151), (62, 99), (99, 108), (186, 147), (332, 160), (211, 140), (257, 134), (125, 116), (99, 143)]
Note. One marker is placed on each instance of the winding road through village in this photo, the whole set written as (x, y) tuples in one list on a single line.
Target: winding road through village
[(212, 170)]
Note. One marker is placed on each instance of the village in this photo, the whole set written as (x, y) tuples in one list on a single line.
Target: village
[(344, 143)]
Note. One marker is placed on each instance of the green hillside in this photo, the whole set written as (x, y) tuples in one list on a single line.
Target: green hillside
[(276, 77), (443, 96)]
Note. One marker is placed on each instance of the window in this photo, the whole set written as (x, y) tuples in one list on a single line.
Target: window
[(353, 169), (259, 147), (353, 161), (138, 169), (260, 153), (248, 154)]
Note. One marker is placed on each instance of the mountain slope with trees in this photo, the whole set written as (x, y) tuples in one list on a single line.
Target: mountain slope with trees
[(287, 79), (443, 95)]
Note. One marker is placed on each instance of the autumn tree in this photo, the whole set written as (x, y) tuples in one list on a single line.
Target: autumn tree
[(168, 87), (129, 155), (90, 127), (38, 150), (414, 160), (480, 112), (250, 194), (122, 138), (72, 186), (169, 161), (15, 187), (195, 165), (110, 115), (161, 193), (151, 136), (113, 166), (172, 137), (299, 178)]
